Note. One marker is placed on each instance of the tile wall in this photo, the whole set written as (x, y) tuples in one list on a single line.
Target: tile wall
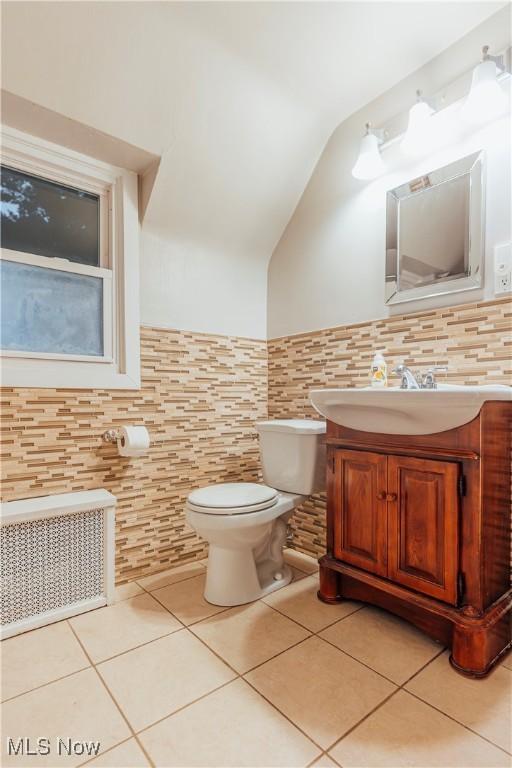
[(473, 340), (200, 397)]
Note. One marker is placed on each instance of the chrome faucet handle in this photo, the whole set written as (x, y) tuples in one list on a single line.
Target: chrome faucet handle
[(429, 378)]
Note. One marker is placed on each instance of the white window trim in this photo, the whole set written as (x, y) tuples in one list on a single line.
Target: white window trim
[(119, 367)]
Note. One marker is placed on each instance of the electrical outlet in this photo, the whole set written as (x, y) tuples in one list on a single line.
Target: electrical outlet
[(503, 268), (503, 283)]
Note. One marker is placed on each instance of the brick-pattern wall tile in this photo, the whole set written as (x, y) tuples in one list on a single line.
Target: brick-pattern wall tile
[(474, 340), (200, 397)]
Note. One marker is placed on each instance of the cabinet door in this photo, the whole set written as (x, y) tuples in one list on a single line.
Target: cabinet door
[(360, 510), (423, 525)]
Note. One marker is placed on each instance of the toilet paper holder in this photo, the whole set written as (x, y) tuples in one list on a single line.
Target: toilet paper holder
[(111, 436)]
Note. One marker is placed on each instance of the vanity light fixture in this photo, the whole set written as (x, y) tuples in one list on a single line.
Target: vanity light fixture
[(485, 99), (369, 164), (419, 130)]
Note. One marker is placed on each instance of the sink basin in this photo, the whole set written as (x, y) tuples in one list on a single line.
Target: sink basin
[(396, 411)]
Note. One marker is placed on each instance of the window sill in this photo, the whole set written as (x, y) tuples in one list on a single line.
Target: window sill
[(60, 374)]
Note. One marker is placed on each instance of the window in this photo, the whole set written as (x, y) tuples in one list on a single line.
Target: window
[(68, 269)]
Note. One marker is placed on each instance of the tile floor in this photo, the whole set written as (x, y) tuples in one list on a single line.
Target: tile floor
[(164, 679)]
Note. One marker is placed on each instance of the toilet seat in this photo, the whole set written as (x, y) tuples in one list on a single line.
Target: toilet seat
[(232, 498)]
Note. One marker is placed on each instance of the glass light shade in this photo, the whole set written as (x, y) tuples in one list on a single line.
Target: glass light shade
[(369, 164), (485, 99), (419, 132)]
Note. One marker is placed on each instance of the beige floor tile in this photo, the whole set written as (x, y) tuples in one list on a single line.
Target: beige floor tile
[(156, 679), (171, 576), (387, 644), (126, 755), (485, 705), (186, 601), (231, 727), (77, 708), (296, 574), (301, 561), (38, 657), (118, 628), (299, 601), (507, 661), (248, 635), (320, 689), (125, 591), (406, 733), (324, 762)]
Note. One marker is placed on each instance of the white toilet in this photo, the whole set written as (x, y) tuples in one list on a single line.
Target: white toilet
[(245, 523)]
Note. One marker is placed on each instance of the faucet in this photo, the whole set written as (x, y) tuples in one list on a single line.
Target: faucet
[(409, 380), (429, 379)]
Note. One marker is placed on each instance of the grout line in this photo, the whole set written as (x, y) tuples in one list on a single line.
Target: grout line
[(441, 650), (399, 688), (453, 719), (359, 722), (324, 754), (313, 632), (43, 685), (354, 658), (204, 618), (107, 689), (163, 586), (135, 647), (186, 706), (428, 704), (275, 656), (283, 714), (240, 676)]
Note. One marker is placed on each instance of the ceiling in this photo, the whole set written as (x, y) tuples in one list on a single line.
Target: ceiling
[(238, 98)]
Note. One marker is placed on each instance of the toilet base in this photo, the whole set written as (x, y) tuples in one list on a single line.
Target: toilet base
[(239, 575), (245, 559), (223, 589)]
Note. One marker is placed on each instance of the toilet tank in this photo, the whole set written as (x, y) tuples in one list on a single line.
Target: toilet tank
[(293, 454)]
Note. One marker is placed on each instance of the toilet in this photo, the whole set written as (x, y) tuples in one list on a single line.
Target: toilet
[(245, 524)]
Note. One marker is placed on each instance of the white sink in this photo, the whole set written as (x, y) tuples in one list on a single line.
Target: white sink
[(396, 411)]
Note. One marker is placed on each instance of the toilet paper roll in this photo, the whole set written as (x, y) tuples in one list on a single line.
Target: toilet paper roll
[(132, 441)]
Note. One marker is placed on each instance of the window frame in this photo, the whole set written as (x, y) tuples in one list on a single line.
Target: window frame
[(119, 366)]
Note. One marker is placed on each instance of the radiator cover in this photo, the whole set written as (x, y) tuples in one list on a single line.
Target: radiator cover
[(57, 558)]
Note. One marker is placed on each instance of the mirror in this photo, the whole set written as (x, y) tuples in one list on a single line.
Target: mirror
[(434, 232)]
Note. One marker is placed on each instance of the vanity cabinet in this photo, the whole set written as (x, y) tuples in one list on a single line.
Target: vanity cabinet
[(420, 525), (397, 516)]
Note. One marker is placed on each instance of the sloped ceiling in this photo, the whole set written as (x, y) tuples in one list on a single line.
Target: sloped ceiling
[(239, 98)]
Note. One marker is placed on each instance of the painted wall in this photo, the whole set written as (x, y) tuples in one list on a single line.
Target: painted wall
[(328, 268), (210, 290)]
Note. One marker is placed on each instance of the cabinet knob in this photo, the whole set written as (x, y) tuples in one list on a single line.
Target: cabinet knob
[(391, 497), (381, 495)]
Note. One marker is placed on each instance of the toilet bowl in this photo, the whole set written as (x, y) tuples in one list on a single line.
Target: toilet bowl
[(245, 524)]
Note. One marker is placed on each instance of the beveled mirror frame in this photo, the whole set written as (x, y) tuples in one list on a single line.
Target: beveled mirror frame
[(473, 166)]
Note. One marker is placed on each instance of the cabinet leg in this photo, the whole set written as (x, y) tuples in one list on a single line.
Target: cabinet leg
[(329, 591), (476, 649)]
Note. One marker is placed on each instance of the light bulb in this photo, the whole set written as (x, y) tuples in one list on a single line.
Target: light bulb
[(418, 136), (369, 164), (485, 99)]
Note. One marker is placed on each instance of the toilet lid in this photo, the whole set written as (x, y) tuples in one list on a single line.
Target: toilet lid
[(232, 498)]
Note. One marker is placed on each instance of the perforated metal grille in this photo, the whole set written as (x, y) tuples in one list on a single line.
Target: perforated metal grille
[(50, 563)]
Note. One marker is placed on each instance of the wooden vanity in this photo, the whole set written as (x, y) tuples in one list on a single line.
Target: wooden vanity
[(420, 525)]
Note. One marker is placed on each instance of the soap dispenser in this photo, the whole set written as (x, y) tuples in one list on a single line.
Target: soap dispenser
[(379, 371)]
